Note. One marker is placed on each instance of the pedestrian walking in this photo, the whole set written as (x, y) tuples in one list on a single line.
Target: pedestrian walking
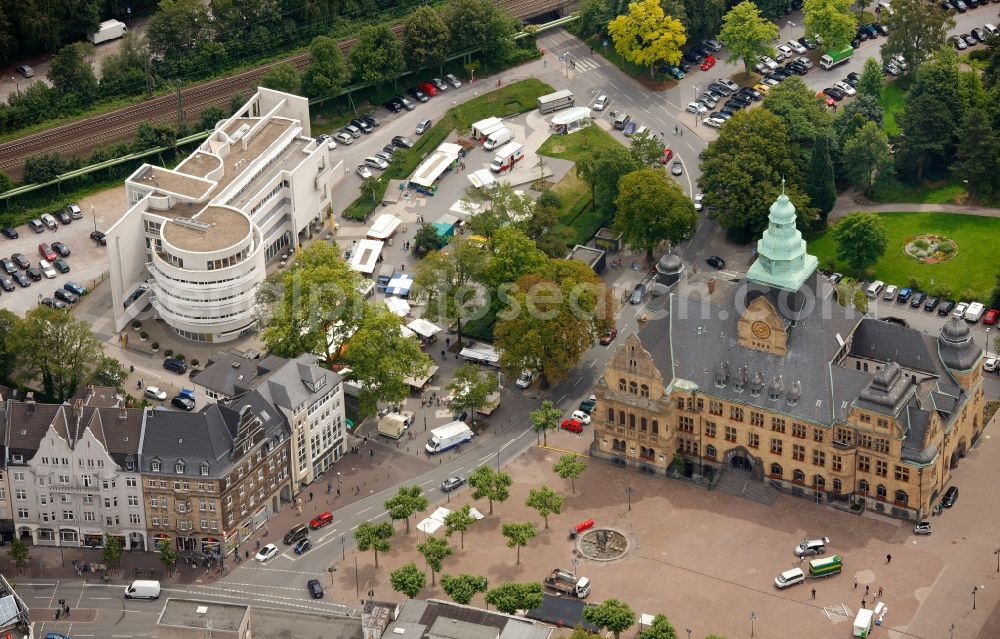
[(258, 543), (855, 583), (371, 452), (888, 559), (66, 610), (676, 129), (866, 591), (863, 602), (58, 612), (880, 592), (310, 495), (443, 356), (814, 593), (447, 341)]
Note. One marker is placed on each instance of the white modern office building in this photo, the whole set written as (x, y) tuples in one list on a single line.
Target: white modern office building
[(193, 246)]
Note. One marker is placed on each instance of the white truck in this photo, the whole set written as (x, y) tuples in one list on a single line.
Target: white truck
[(863, 623), (394, 425), (498, 138), (507, 156), (448, 436), (109, 30), (567, 583)]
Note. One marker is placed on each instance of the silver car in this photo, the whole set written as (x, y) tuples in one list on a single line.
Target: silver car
[(452, 80), (344, 137), (601, 102), (376, 163), (364, 172)]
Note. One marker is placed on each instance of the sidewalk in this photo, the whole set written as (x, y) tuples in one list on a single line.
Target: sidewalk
[(850, 202)]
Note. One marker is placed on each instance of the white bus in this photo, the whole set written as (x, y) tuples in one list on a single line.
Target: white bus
[(555, 101)]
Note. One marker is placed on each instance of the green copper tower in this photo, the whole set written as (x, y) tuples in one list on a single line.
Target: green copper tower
[(782, 261)]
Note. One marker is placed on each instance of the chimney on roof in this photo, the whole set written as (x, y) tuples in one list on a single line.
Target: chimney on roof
[(30, 397), (122, 413), (77, 410)]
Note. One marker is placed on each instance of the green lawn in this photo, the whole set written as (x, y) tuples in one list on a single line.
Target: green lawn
[(611, 55), (945, 191), (578, 145), (892, 102), (973, 269)]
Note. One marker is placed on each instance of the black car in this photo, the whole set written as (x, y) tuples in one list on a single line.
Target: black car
[(185, 403), (452, 483), (175, 365), (390, 149), (969, 40), (720, 114), (959, 6), (20, 260), (684, 65), (729, 109), (979, 34), (834, 93), (407, 104), (403, 142), (66, 296), (752, 93), (61, 249), (395, 105), (854, 76), (882, 29), (361, 124), (34, 273), (6, 283), (871, 31), (48, 301), (99, 237), (371, 119), (853, 82), (21, 279), (418, 95), (716, 262), (807, 43), (856, 42), (944, 308), (315, 588), (62, 216), (950, 496), (8, 266), (918, 299), (742, 100), (9, 232), (781, 74), (796, 67), (734, 104), (61, 265), (73, 287), (931, 303), (693, 57)]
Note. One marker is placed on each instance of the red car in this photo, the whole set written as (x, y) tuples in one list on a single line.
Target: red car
[(667, 155), (708, 63), (609, 337), (429, 89), (572, 425), (991, 317), (46, 252), (321, 520), (826, 99)]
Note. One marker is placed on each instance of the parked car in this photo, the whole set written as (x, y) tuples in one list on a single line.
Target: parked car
[(922, 528), (439, 84), (184, 403), (572, 425), (320, 520), (402, 142), (946, 307), (302, 545), (609, 336), (714, 45), (36, 225), (61, 249), (21, 261), (846, 88), (677, 168), (62, 216), (716, 262), (178, 366), (991, 317), (931, 303), (696, 108), (582, 417), (34, 274), (890, 292), (904, 295), (638, 294), (797, 47), (363, 172), (267, 552), (698, 201), (7, 283), (343, 137), (99, 237), (46, 251), (9, 232), (155, 392), (351, 130), (8, 265), (74, 211), (48, 301), (418, 95), (49, 221), (959, 310), (950, 496), (708, 63), (423, 126), (407, 104), (808, 547), (21, 279), (395, 105), (358, 123), (315, 588), (918, 299), (376, 163), (601, 102), (26, 70), (371, 119), (452, 80), (452, 483), (46, 268)]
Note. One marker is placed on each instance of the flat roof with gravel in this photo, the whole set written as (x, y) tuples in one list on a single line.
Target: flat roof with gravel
[(187, 613), (168, 181), (223, 227)]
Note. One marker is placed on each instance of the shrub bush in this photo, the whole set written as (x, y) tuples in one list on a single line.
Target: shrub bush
[(144, 335), (921, 244), (195, 362), (156, 346), (169, 352)]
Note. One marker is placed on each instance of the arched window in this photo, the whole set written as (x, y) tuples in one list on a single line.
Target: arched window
[(621, 384), (656, 427), (644, 390), (621, 418), (819, 481), (611, 415), (776, 470), (798, 475), (633, 388), (902, 497), (710, 451), (642, 424), (863, 486), (838, 486), (880, 491), (631, 421)]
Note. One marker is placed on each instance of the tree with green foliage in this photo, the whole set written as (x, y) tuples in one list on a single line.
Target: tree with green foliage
[(704, 18), (611, 614), (327, 73), (19, 553), (125, 71), (861, 240), (509, 597), (434, 552), (917, 28), (653, 208), (854, 115), (545, 418), (646, 36), (462, 588), (56, 348), (112, 551), (316, 293), (570, 467), (803, 115), (832, 21), (511, 255), (977, 160), (480, 24), (601, 170), (72, 73), (168, 556), (458, 521), (546, 502), (932, 113), (446, 278), (408, 579), (551, 317), (868, 158), (995, 298), (872, 81), (745, 166), (820, 185), (426, 40), (179, 27), (209, 117), (108, 371), (748, 35), (491, 484), (659, 629), (646, 148), (375, 537), (377, 56), (382, 358), (8, 357), (407, 501), (282, 77), (518, 534), (426, 240), (471, 388)]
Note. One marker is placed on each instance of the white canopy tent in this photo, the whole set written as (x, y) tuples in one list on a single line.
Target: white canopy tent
[(443, 158), (429, 526), (482, 178), (423, 328), (365, 256), (466, 208), (398, 305), (384, 227)]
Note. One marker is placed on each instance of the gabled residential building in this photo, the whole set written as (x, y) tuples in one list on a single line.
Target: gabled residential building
[(212, 477), (74, 474), (310, 397)]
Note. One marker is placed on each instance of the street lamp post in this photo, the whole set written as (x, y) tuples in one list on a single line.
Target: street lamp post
[(357, 583), (753, 618), (952, 631), (974, 590), (17, 85), (997, 553), (93, 214), (343, 554), (689, 633), (628, 494)]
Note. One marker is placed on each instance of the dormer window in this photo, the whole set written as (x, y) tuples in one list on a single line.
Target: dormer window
[(179, 468), (204, 469), (130, 466), (155, 465)]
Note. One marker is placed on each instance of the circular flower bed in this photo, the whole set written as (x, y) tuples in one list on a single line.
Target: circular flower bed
[(931, 249)]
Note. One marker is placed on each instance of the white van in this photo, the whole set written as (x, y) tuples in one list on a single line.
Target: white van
[(974, 312), (143, 589), (790, 578), (498, 138), (875, 288), (886, 6)]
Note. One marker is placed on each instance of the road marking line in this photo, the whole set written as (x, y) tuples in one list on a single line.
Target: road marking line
[(429, 481), (674, 105), (644, 108), (365, 510), (615, 86)]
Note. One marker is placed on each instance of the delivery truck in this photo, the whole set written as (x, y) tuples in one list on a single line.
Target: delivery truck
[(825, 567), (836, 57), (567, 583), (555, 101), (507, 156), (863, 623), (448, 436), (109, 30), (498, 138), (394, 425)]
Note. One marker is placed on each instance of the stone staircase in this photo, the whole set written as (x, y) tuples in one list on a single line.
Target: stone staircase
[(739, 483)]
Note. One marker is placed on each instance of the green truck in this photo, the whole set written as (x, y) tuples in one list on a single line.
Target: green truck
[(825, 567), (836, 57)]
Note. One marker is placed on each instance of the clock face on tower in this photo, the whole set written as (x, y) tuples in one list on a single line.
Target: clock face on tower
[(760, 330)]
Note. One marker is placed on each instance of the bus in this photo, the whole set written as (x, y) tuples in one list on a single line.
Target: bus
[(555, 101)]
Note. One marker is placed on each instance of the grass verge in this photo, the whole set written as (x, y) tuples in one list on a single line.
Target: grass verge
[(658, 82), (972, 270), (892, 104), (945, 191)]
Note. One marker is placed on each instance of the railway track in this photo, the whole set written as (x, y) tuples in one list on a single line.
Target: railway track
[(83, 136)]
